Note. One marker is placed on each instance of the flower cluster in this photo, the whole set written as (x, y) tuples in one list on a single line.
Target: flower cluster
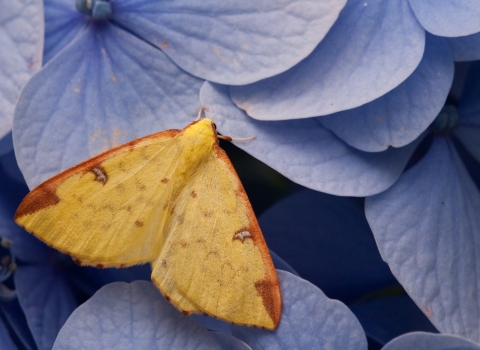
[(350, 99)]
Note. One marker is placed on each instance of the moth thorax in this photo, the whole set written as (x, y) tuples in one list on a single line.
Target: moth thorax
[(199, 140)]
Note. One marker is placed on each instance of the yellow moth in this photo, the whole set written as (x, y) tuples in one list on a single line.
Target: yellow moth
[(173, 200)]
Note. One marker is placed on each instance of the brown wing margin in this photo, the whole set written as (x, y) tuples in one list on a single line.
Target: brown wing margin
[(44, 195), (268, 288)]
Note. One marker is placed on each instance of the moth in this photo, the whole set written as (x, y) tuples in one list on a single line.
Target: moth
[(171, 199)]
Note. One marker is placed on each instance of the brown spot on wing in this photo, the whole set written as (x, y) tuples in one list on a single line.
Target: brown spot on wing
[(42, 197), (100, 266), (269, 292), (268, 288), (139, 223), (140, 186), (100, 174), (165, 180), (185, 312), (45, 195), (193, 194), (242, 235)]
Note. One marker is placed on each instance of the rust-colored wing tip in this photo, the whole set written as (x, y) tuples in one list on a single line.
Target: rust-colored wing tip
[(41, 197)]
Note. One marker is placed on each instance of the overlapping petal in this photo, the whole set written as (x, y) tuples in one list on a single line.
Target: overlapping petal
[(390, 316), (306, 152), (401, 115), (62, 24), (6, 342), (328, 241), (427, 230), (429, 341), (133, 316), (107, 87), (46, 299), (468, 128), (228, 41), (14, 316), (21, 42), (309, 321), (465, 48), (372, 48), (448, 18)]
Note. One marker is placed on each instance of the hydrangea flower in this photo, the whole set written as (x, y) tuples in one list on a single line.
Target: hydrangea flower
[(137, 315), (117, 70), (414, 236), (372, 48), (21, 40), (426, 225)]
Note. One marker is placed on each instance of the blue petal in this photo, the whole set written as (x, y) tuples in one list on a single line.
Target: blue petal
[(231, 42), (6, 143), (429, 341), (132, 316), (448, 18), (229, 342), (104, 89), (328, 241), (372, 48), (309, 321), (468, 128), (62, 24), (14, 316), (400, 116), (388, 317), (21, 40), (25, 247), (281, 264), (305, 152), (46, 299), (426, 227), (9, 164), (465, 48), (6, 342)]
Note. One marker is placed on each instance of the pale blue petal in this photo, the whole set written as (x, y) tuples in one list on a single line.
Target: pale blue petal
[(229, 342), (125, 316), (448, 18), (373, 47), (231, 42), (304, 151), (401, 115), (106, 88), (46, 299), (309, 321), (465, 48), (427, 229), (328, 241), (21, 42), (429, 341), (62, 23)]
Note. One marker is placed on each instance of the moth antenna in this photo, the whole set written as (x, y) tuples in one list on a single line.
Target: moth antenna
[(202, 110), (241, 139)]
